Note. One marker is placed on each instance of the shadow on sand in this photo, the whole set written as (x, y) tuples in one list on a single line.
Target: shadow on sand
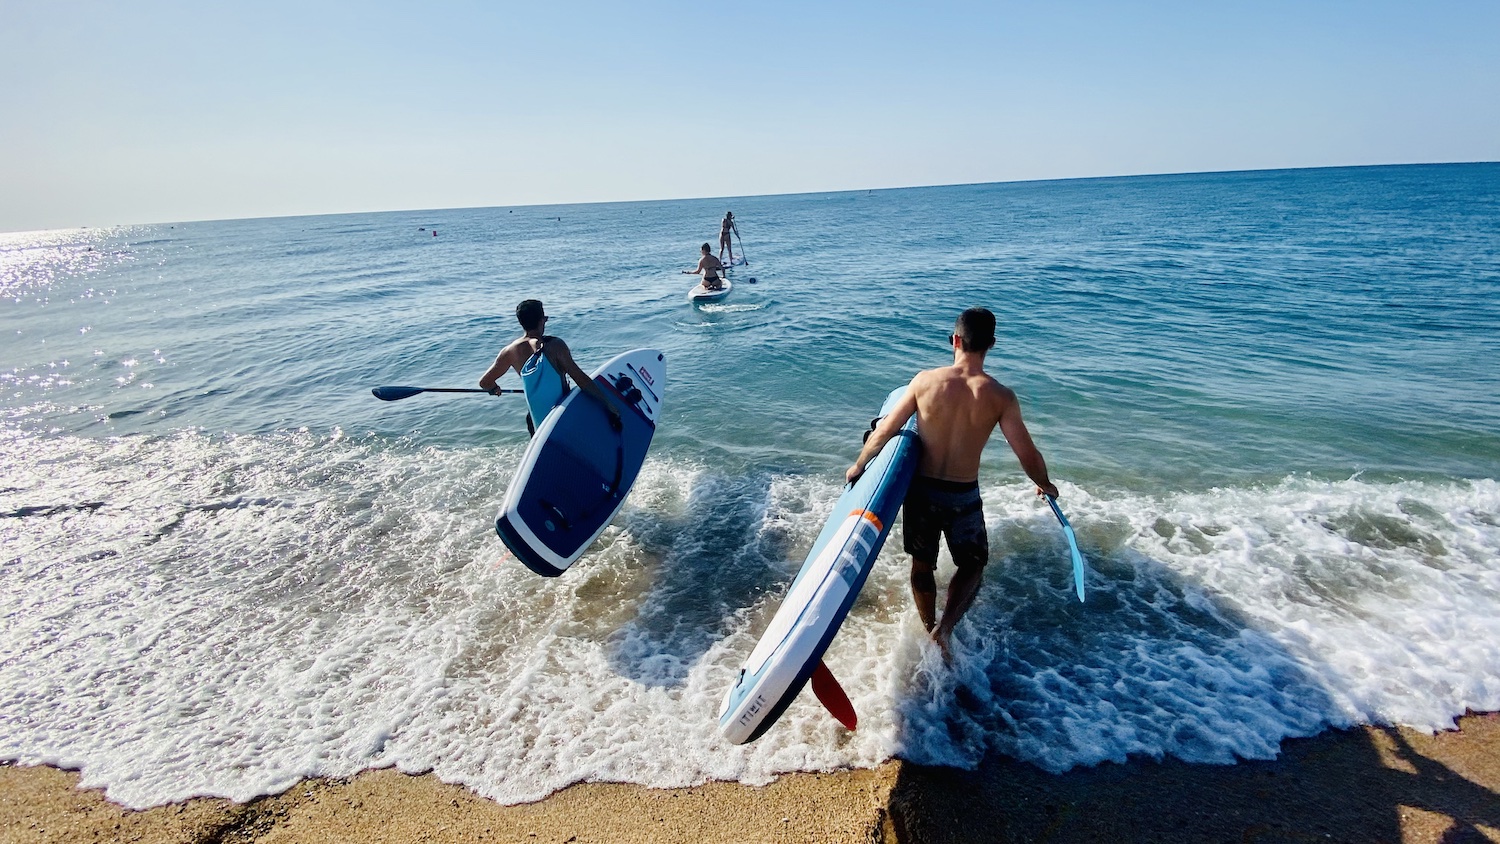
[(1358, 786), (1168, 668)]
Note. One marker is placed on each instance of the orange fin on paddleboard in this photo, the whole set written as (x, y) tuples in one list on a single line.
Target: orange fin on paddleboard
[(831, 695)]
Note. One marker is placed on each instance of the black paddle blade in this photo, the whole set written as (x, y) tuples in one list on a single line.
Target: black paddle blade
[(395, 393)]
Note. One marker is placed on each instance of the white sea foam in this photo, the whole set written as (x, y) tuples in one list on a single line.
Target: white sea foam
[(197, 614)]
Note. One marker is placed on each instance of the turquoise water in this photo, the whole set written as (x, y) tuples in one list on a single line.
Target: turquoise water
[(1270, 400)]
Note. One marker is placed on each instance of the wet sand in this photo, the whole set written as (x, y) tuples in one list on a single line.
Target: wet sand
[(1366, 785)]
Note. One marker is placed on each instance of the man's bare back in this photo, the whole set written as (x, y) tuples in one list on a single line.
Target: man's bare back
[(957, 408), (956, 411)]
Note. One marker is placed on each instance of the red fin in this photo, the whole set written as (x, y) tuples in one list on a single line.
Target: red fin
[(831, 695)]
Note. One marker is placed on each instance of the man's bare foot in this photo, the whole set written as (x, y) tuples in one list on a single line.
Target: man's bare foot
[(941, 638)]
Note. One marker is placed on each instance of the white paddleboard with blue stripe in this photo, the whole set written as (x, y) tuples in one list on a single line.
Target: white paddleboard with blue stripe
[(700, 294), (792, 647), (577, 470)]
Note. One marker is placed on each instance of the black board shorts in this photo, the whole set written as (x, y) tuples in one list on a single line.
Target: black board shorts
[(953, 509)]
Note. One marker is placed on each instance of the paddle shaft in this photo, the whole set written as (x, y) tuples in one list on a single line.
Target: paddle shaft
[(460, 390), (399, 393)]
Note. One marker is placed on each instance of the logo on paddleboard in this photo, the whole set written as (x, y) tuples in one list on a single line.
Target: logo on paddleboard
[(646, 376), (755, 707)]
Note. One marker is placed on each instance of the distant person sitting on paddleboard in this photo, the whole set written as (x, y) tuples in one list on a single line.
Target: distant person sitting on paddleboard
[(725, 228), (957, 409), (710, 267), (533, 321)]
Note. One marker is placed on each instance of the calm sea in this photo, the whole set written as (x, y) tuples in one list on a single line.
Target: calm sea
[(1271, 401)]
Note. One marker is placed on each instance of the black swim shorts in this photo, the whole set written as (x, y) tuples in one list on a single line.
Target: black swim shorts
[(934, 507)]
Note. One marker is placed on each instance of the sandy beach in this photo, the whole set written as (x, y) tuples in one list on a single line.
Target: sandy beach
[(1373, 784)]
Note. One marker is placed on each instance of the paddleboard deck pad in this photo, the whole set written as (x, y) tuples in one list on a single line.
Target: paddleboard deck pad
[(824, 590), (577, 469), (703, 294)]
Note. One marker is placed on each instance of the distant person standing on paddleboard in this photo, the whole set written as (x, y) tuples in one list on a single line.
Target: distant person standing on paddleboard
[(709, 267), (518, 356), (725, 228), (957, 409)]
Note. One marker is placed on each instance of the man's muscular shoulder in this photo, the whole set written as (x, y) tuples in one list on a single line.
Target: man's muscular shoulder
[(518, 349), (995, 388), (555, 347), (998, 396), (928, 378)]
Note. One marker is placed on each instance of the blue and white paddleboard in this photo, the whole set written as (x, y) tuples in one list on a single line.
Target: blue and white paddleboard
[(577, 470), (700, 294), (812, 611)]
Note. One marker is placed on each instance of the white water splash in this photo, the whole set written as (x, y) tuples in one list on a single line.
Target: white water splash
[(196, 614)]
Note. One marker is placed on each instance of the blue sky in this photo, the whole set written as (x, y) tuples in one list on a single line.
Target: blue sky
[(115, 113)]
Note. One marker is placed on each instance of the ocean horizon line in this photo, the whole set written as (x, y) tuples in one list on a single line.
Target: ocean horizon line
[(592, 203)]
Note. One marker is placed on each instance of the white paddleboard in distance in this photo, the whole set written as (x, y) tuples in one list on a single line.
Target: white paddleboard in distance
[(577, 470), (825, 589), (700, 294)]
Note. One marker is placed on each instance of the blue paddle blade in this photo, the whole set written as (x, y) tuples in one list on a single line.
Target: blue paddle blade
[(395, 393), (1072, 546)]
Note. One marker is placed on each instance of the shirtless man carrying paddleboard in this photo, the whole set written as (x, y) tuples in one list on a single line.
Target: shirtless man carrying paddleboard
[(957, 409)]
